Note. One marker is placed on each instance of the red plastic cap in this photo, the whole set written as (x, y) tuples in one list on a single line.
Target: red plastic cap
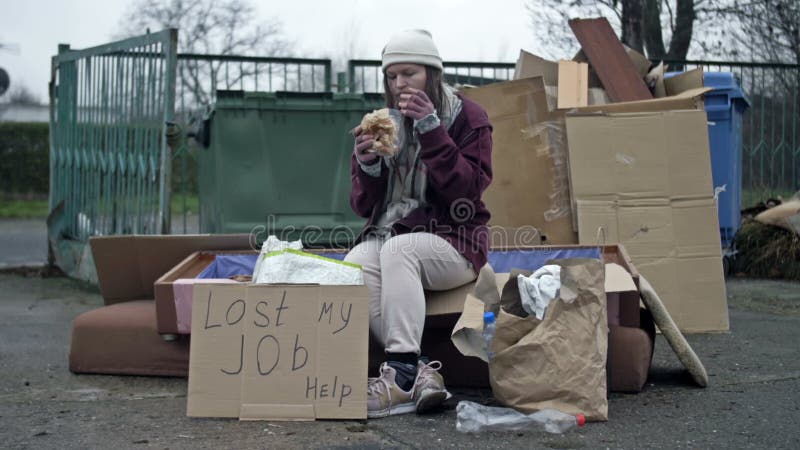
[(581, 420)]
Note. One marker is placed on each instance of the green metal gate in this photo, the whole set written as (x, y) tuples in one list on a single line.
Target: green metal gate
[(110, 110)]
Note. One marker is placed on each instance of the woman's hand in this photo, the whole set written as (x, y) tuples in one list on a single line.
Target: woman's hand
[(415, 104), (363, 147)]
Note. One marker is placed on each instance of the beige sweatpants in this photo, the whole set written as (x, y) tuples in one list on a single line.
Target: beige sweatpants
[(396, 271)]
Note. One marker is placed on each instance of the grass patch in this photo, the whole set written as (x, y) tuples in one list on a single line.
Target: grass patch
[(767, 251), (23, 209), (36, 209), (192, 203)]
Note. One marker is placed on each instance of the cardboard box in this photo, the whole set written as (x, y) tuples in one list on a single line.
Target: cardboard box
[(442, 307), (439, 303), (279, 352), (642, 172), (529, 160), (164, 287)]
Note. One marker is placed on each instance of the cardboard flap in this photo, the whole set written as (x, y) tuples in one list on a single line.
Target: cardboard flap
[(529, 65), (640, 61), (527, 97), (693, 92), (686, 81), (689, 99), (618, 279)]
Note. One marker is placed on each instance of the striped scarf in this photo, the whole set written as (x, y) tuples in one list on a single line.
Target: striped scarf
[(408, 174)]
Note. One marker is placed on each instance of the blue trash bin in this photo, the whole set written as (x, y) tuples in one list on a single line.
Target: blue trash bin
[(725, 106)]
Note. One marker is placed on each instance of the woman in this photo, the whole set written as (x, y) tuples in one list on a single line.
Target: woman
[(426, 225)]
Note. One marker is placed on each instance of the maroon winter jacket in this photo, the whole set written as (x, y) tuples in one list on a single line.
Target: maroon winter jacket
[(459, 166)]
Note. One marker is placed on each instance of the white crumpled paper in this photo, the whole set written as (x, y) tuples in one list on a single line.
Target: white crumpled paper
[(539, 289), (293, 266)]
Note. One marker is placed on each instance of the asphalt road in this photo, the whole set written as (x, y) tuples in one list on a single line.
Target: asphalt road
[(753, 400), (23, 242)]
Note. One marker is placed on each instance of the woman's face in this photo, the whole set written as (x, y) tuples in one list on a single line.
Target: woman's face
[(400, 77)]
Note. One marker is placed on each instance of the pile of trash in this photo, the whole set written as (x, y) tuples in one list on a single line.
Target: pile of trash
[(768, 244)]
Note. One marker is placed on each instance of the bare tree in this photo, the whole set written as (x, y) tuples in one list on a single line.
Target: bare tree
[(756, 30), (22, 95), (642, 24), (753, 30), (351, 46), (209, 27)]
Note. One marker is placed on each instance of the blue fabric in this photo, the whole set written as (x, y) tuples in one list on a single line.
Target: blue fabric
[(504, 261), (225, 266), (337, 256)]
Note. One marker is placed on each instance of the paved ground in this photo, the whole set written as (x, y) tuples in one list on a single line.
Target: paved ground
[(753, 400), (23, 242)]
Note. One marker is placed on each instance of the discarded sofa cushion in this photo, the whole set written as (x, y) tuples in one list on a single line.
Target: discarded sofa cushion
[(630, 353), (121, 339)]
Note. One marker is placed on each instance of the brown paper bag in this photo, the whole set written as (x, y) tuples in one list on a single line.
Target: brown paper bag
[(559, 362)]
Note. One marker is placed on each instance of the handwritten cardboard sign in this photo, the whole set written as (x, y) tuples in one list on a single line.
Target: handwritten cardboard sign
[(278, 352)]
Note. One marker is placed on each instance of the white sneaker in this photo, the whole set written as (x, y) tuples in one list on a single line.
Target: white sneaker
[(385, 397), (429, 391)]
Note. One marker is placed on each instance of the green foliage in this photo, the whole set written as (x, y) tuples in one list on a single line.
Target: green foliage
[(24, 158), (23, 209)]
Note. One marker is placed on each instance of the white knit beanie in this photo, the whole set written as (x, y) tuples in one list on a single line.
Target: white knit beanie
[(411, 46)]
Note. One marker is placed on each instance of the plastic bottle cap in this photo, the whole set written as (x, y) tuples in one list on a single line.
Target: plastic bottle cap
[(488, 317), (581, 420)]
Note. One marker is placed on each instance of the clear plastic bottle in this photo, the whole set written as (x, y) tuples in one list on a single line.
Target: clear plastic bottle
[(488, 333), (474, 418)]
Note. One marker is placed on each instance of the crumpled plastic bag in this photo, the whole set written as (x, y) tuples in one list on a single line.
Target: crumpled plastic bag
[(297, 267), (539, 289), (273, 244)]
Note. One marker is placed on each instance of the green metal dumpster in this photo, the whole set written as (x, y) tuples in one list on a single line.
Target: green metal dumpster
[(279, 163)]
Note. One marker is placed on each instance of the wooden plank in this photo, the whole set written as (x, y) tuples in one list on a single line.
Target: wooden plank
[(573, 84), (609, 60)]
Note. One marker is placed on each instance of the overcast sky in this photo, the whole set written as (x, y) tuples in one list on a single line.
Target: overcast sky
[(465, 30)]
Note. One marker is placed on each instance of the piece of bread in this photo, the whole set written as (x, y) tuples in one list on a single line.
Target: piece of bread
[(379, 124)]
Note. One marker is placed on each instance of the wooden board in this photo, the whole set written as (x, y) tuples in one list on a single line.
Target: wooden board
[(609, 60)]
